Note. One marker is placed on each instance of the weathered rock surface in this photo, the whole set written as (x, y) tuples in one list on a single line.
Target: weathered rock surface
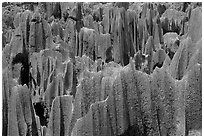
[(102, 69)]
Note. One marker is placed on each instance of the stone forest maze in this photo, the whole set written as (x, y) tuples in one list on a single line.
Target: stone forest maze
[(101, 68)]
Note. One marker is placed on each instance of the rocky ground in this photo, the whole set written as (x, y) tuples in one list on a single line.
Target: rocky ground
[(101, 69)]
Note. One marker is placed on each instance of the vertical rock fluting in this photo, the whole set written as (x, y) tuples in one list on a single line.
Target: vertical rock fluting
[(193, 100), (87, 38), (183, 56), (40, 33), (21, 113), (103, 42), (68, 77), (149, 47), (54, 89), (171, 20), (83, 95), (160, 105), (164, 92), (60, 116)]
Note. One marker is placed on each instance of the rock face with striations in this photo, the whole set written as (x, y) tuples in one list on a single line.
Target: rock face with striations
[(171, 20), (60, 116), (21, 116), (157, 107), (102, 69)]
